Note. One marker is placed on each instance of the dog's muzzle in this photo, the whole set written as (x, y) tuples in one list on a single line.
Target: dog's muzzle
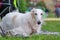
[(38, 22)]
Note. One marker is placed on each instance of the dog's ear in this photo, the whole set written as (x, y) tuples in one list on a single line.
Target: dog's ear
[(33, 9), (33, 13)]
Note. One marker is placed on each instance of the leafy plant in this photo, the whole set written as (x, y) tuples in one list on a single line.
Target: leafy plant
[(41, 4), (22, 6)]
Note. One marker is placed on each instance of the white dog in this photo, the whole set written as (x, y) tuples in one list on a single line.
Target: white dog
[(23, 24)]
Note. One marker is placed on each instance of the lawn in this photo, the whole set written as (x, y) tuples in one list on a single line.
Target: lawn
[(51, 15), (36, 37), (52, 26)]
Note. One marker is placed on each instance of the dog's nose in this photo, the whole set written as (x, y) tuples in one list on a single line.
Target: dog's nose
[(39, 22)]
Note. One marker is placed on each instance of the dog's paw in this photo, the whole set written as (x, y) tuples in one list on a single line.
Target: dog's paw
[(38, 32), (25, 35)]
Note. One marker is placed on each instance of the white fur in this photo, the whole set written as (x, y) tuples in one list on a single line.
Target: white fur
[(20, 23)]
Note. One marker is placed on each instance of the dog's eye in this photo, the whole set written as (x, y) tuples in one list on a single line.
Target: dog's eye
[(35, 13), (41, 13)]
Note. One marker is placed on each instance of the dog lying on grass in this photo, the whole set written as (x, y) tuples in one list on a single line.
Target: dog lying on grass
[(16, 23)]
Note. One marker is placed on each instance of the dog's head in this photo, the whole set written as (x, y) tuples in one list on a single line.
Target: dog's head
[(37, 14)]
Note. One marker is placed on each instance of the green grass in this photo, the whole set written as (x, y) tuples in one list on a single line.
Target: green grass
[(51, 15), (36, 37), (52, 26)]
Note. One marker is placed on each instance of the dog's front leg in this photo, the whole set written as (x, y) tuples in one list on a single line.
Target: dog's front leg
[(39, 29), (26, 35)]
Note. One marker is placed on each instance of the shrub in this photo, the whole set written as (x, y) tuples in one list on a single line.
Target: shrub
[(42, 5), (22, 6)]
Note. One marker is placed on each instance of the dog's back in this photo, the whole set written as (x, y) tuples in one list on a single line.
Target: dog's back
[(15, 22)]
